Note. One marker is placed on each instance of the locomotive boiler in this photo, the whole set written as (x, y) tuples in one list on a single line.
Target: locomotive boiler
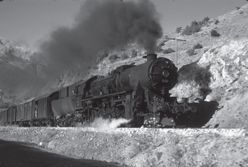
[(157, 75)]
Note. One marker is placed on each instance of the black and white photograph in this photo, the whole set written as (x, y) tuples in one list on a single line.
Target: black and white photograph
[(123, 83)]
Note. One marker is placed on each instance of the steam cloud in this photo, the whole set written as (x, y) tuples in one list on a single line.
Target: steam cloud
[(107, 124), (100, 25)]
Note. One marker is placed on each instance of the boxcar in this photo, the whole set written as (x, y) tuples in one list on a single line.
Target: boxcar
[(11, 116), (28, 105), (24, 112), (42, 109), (20, 115), (72, 89), (3, 117), (67, 91), (64, 92), (63, 106), (66, 103)]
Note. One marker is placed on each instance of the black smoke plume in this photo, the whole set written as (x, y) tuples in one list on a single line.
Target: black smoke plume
[(101, 25)]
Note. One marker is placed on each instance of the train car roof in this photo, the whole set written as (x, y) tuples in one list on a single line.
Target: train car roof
[(3, 109), (73, 84), (27, 101), (45, 95), (78, 82)]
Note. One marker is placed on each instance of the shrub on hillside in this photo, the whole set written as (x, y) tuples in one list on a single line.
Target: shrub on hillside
[(124, 56), (216, 22), (204, 21), (214, 33), (195, 26), (134, 53), (179, 30), (160, 45), (191, 52), (198, 46), (101, 56), (169, 50), (113, 58)]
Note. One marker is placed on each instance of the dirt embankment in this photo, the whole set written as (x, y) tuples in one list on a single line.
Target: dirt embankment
[(141, 147)]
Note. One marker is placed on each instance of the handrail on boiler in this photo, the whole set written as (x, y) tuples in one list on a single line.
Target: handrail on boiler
[(104, 96)]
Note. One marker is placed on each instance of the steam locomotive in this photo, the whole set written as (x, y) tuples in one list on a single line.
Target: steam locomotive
[(139, 93)]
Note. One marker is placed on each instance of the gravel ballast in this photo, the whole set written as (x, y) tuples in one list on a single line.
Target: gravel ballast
[(141, 147)]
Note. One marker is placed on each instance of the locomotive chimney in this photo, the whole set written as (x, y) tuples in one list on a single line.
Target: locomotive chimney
[(151, 56)]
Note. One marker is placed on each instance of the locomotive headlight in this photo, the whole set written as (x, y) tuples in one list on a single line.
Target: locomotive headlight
[(165, 73)]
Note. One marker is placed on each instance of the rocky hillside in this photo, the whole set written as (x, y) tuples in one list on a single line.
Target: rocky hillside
[(225, 58)]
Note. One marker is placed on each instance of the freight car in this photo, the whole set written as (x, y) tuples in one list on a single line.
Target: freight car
[(136, 92), (3, 117), (36, 111)]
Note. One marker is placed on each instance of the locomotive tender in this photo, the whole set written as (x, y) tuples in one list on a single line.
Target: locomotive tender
[(139, 93)]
